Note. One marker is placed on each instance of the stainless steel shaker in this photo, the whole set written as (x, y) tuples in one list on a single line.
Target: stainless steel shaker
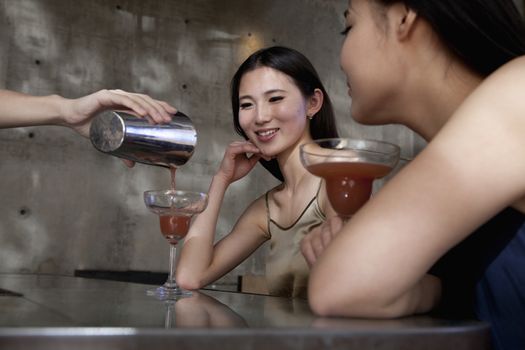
[(127, 136)]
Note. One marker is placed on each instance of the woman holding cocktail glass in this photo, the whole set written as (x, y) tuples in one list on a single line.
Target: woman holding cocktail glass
[(450, 71), (279, 103)]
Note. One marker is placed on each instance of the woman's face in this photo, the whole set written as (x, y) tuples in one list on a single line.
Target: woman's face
[(369, 62), (272, 110)]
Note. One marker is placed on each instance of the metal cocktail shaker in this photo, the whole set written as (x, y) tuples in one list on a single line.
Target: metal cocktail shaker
[(127, 136)]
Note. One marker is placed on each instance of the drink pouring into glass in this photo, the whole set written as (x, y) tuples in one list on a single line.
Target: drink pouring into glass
[(126, 136), (168, 145), (175, 210)]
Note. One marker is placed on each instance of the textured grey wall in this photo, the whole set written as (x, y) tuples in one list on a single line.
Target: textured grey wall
[(64, 206)]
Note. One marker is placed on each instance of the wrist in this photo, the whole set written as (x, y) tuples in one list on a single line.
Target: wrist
[(220, 180), (63, 108)]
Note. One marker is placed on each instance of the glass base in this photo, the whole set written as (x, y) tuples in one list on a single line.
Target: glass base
[(168, 293)]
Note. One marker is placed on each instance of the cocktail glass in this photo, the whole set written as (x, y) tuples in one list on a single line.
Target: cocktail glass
[(175, 210), (349, 167)]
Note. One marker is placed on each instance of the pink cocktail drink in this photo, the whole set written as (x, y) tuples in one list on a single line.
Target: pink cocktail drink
[(175, 210), (348, 184), (349, 167), (174, 227)]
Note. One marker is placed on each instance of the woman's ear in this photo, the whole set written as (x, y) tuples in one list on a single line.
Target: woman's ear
[(315, 102), (404, 20)]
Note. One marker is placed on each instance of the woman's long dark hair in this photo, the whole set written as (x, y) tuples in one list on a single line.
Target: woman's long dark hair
[(484, 34), (298, 67)]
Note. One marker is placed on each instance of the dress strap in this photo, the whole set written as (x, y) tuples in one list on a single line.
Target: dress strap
[(319, 188), (313, 201), (268, 219), (318, 206)]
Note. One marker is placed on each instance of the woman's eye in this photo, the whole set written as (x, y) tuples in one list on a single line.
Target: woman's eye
[(245, 105), (276, 98), (346, 30)]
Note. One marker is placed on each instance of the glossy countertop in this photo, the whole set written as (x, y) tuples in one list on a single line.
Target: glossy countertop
[(59, 312)]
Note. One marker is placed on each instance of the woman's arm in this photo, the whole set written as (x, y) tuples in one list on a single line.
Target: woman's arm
[(474, 167), (201, 262)]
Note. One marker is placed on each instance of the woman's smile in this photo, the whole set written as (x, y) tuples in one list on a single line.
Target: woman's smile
[(265, 135)]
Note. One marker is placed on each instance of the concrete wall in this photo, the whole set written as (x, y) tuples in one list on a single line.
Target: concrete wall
[(64, 206)]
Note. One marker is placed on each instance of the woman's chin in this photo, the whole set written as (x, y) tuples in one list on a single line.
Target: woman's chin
[(267, 157), (362, 117), (358, 117)]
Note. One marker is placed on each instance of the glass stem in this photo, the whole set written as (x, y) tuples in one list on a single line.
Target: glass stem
[(169, 312), (173, 261)]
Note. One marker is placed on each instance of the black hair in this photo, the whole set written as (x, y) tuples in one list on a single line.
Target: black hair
[(484, 34), (300, 69)]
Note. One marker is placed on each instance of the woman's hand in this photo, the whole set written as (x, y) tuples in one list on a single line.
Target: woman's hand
[(77, 113), (236, 162), (314, 243)]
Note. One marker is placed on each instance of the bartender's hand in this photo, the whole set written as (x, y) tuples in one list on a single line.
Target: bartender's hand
[(77, 113), (239, 159), (315, 242)]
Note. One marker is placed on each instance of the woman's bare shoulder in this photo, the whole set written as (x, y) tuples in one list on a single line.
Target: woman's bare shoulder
[(508, 80), (484, 139), (499, 100), (515, 65)]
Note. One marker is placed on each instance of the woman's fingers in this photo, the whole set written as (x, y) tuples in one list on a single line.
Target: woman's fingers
[(246, 147), (315, 243)]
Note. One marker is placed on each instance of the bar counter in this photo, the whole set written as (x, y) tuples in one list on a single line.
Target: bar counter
[(58, 312)]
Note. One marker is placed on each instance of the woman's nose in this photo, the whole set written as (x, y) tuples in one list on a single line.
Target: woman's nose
[(263, 115)]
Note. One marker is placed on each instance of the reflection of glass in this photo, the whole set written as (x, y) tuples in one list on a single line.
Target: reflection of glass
[(169, 315), (175, 210), (349, 166)]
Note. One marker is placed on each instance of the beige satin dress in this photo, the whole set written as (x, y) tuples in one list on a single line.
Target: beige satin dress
[(286, 269)]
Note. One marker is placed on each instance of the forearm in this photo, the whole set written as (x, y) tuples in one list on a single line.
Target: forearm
[(18, 110), (421, 298), (198, 250), (374, 302)]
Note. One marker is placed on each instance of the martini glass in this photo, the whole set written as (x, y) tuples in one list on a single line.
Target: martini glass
[(349, 167), (175, 210)]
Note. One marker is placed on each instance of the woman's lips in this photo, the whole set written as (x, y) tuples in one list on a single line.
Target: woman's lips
[(266, 134)]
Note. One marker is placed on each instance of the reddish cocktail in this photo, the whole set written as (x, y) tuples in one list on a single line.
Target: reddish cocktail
[(175, 210), (174, 227), (349, 167)]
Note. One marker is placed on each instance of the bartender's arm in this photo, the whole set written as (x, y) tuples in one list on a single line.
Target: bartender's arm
[(19, 110)]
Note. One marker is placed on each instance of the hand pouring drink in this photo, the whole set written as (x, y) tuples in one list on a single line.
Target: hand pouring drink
[(169, 145), (126, 136)]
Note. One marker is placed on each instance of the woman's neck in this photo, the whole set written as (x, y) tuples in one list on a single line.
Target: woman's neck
[(291, 167), (434, 84), (436, 95)]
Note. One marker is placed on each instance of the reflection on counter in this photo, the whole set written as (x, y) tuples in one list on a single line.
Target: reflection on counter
[(200, 310), (82, 313)]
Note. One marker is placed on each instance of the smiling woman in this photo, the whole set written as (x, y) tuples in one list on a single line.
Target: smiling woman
[(279, 103)]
